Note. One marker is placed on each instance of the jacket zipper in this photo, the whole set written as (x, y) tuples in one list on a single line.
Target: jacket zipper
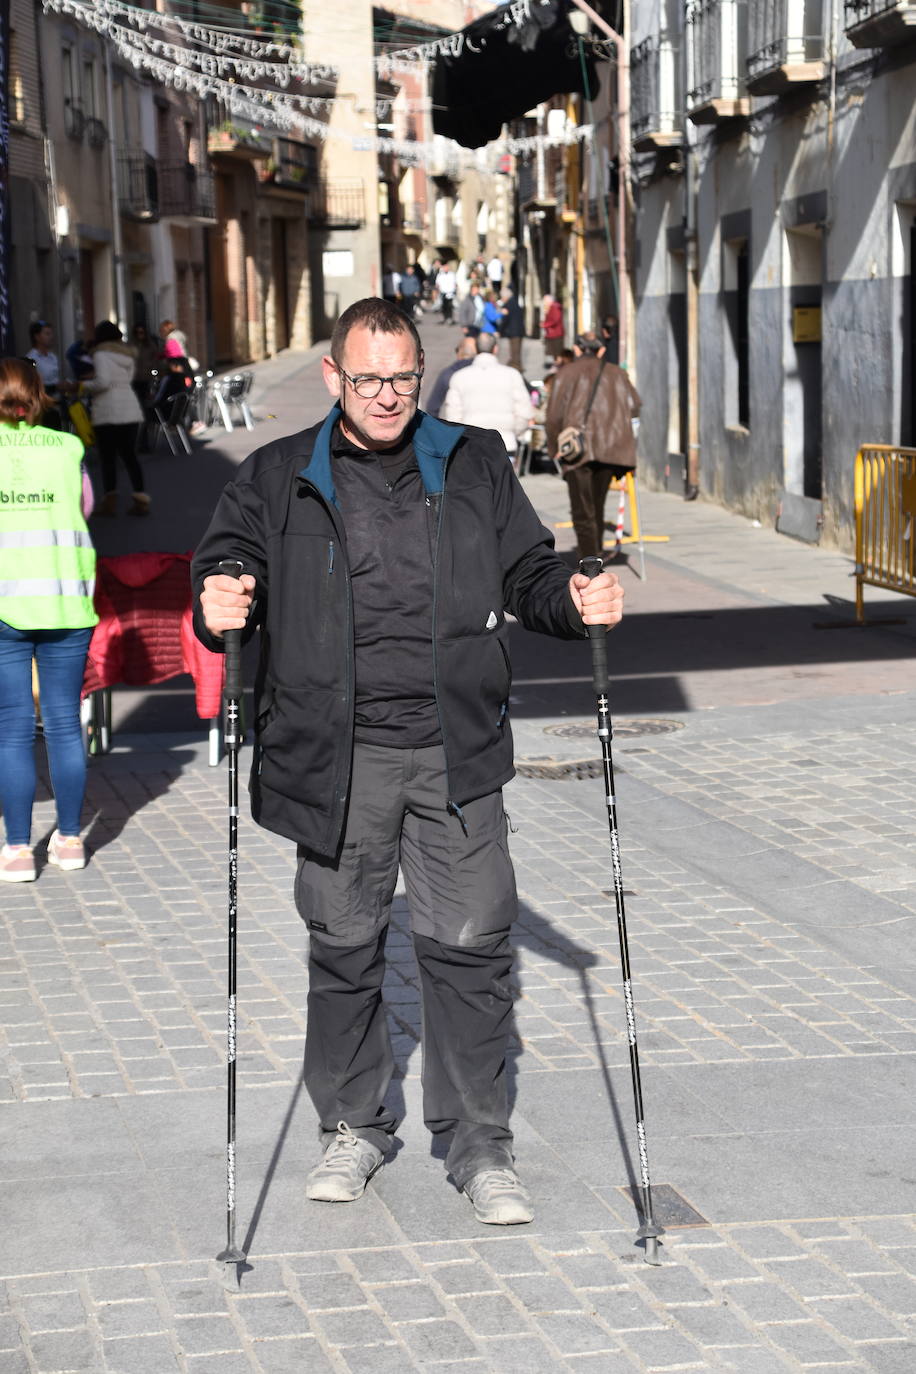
[(450, 806), (341, 796)]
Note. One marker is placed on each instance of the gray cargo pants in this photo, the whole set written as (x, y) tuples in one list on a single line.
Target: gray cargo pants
[(462, 900)]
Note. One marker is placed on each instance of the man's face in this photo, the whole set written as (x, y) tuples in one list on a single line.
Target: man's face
[(379, 421), (44, 337)]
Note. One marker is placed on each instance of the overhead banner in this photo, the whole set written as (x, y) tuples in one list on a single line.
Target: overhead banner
[(501, 69)]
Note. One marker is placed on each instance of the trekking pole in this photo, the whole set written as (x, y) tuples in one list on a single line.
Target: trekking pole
[(232, 694), (650, 1230)]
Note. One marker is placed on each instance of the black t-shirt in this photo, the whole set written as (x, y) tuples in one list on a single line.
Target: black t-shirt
[(390, 526)]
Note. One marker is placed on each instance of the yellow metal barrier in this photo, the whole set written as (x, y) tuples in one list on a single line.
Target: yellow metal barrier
[(885, 490)]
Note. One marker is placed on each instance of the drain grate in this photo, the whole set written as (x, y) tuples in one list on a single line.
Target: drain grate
[(568, 769), (671, 1210), (630, 728)]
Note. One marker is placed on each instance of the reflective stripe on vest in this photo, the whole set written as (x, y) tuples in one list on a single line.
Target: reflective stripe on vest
[(47, 586), (36, 539)]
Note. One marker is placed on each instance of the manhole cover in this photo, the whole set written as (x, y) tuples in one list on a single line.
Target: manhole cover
[(567, 769), (670, 1208), (623, 729)]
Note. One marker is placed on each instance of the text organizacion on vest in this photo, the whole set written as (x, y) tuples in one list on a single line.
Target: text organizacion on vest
[(27, 438)]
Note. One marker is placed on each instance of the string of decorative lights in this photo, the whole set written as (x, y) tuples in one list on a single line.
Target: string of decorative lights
[(275, 107)]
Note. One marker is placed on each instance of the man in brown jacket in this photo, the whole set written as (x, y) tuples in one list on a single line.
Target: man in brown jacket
[(609, 448)]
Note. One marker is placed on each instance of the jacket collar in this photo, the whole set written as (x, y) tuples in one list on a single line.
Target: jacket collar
[(434, 441)]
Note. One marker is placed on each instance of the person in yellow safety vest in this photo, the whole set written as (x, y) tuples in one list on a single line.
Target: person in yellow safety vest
[(47, 581)]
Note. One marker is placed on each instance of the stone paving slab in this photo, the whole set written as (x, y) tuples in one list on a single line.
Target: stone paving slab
[(722, 988)]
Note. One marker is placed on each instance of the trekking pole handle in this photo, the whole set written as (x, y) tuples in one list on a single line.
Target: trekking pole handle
[(590, 568), (232, 639)]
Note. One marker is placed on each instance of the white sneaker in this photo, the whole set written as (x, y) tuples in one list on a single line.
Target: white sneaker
[(348, 1164), (66, 851), (17, 864), (499, 1198)]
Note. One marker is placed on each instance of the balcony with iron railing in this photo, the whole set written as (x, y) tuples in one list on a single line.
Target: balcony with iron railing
[(186, 192), (785, 45), (338, 204), (230, 134), (880, 23), (413, 220), (96, 133), (656, 117), (292, 166), (74, 119), (138, 185), (717, 52)]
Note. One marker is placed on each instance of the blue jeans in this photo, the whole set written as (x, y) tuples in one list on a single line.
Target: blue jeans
[(61, 659)]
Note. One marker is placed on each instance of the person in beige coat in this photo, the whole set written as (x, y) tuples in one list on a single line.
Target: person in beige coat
[(116, 417), (490, 395)]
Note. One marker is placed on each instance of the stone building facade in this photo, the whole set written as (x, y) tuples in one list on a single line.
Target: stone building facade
[(775, 160)]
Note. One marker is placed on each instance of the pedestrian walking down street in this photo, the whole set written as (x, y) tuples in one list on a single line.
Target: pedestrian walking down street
[(495, 271), (552, 325), (382, 733), (490, 395), (492, 318), (512, 326), (116, 417), (465, 353), (411, 290), (41, 337), (470, 311), (391, 284), (596, 399), (47, 573), (446, 285)]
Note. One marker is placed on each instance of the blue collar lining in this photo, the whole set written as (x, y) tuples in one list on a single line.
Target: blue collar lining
[(434, 441)]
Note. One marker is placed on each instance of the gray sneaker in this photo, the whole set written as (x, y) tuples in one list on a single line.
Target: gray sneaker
[(499, 1198), (348, 1164)]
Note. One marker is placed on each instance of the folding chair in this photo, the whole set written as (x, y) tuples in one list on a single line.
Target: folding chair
[(170, 417), (237, 390)]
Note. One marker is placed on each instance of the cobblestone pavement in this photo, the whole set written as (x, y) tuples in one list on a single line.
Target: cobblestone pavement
[(770, 865)]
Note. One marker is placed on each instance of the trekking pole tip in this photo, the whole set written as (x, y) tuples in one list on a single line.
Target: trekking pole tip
[(229, 1266), (650, 1233)]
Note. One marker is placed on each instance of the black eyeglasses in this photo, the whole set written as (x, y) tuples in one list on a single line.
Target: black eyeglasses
[(402, 383)]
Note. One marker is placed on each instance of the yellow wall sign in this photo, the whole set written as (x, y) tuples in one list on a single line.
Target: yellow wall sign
[(806, 324)]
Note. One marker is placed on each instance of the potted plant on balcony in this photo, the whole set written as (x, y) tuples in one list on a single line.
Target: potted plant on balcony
[(267, 171), (226, 137)]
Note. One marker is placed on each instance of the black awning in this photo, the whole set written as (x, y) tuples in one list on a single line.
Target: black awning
[(505, 67)]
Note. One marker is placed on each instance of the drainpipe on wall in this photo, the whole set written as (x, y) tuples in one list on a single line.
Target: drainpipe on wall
[(692, 285), (622, 44), (117, 239)]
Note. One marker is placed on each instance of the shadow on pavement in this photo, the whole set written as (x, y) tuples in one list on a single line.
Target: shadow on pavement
[(120, 785), (534, 933), (650, 652)]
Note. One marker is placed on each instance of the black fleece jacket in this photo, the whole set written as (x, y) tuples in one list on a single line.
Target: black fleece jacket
[(280, 517)]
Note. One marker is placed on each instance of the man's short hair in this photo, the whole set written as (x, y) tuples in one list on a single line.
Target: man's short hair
[(376, 315), (486, 343)]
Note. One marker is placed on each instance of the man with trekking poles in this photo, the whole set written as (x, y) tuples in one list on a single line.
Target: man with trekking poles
[(381, 550)]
